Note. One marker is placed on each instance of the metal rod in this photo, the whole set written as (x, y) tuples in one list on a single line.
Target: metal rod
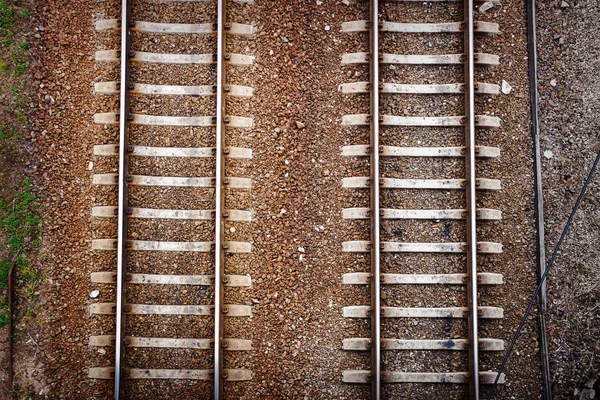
[(375, 225), (123, 202), (539, 198), (219, 202), (469, 70)]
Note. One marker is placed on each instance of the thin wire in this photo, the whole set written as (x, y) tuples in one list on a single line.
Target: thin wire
[(543, 278)]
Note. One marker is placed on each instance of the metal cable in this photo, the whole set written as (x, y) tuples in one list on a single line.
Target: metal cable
[(543, 278)]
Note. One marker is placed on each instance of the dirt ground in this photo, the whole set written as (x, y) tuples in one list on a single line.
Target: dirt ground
[(569, 126)]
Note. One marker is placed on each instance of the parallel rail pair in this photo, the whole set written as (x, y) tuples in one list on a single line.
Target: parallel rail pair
[(124, 244), (470, 183)]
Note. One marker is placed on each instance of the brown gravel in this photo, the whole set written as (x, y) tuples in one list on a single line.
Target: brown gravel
[(296, 265), (514, 200)]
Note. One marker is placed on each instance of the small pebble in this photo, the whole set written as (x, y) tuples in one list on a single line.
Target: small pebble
[(506, 88), (327, 27), (94, 294), (548, 154), (300, 125), (553, 82), (564, 4)]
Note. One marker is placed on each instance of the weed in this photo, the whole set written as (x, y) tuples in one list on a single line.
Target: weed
[(19, 225), (20, 64), (19, 222), (8, 132), (24, 13), (4, 269), (7, 17), (20, 116), (8, 140), (3, 311)]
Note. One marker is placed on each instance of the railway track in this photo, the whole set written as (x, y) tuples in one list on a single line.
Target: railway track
[(171, 256), (405, 341)]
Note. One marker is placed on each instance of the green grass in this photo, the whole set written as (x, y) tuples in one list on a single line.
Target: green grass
[(7, 17), (8, 141), (10, 14), (20, 64), (8, 132), (24, 13), (4, 269), (17, 220), (3, 311), (19, 225)]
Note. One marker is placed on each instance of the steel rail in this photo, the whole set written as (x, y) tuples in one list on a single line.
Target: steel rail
[(123, 205), (375, 206), (219, 203), (469, 76)]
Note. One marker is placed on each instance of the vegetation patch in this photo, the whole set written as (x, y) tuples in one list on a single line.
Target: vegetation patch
[(19, 224)]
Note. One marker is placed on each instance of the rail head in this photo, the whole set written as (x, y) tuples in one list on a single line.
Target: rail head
[(122, 234), (375, 203), (470, 195)]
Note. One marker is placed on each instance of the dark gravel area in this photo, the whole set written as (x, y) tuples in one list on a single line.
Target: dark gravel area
[(569, 109)]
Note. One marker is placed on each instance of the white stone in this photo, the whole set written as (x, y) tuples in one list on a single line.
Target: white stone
[(548, 154), (506, 88), (301, 249), (94, 294), (553, 82), (90, 166), (327, 27), (564, 4), (485, 6)]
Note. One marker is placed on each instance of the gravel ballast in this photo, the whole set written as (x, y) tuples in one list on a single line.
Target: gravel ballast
[(569, 120), (296, 264)]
